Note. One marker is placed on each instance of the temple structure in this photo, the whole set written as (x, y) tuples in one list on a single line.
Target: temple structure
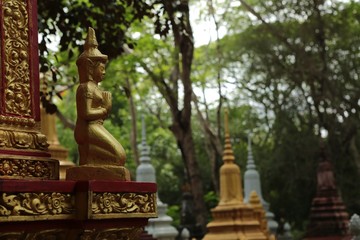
[(34, 204), (160, 228), (57, 151), (252, 183), (232, 218), (328, 216)]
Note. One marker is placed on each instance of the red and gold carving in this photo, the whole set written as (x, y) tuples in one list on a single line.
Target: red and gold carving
[(28, 168), (23, 148), (23, 140), (17, 84), (112, 234), (126, 204), (35, 204)]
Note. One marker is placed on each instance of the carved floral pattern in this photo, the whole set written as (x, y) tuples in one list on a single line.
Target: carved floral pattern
[(16, 58), (27, 168), (23, 140), (105, 203), (36, 204), (112, 234)]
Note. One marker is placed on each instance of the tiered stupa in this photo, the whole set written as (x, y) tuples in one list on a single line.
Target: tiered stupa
[(232, 218), (160, 227), (328, 216), (57, 151), (252, 183)]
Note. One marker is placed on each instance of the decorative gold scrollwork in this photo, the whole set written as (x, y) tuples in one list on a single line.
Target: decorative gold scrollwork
[(105, 203), (25, 168), (112, 234), (25, 204), (16, 58), (23, 140)]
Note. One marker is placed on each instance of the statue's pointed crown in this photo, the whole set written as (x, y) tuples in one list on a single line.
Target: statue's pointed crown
[(91, 50)]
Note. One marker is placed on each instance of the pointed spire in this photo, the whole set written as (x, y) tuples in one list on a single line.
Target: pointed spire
[(230, 178), (252, 183), (251, 177), (250, 162), (228, 156), (145, 171), (145, 149)]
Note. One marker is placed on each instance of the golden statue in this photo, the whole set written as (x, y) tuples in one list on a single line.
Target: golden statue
[(97, 147)]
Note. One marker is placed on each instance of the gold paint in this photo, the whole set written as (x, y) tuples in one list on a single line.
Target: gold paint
[(230, 178), (101, 155), (57, 151), (22, 140), (28, 168), (255, 202), (232, 218), (109, 205), (96, 145), (94, 234), (17, 121), (113, 234), (16, 58), (23, 206)]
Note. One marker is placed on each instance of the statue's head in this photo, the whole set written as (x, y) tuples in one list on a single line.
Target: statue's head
[(90, 59)]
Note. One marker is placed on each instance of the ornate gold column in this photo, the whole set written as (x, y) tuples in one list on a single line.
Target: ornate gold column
[(23, 148), (57, 151)]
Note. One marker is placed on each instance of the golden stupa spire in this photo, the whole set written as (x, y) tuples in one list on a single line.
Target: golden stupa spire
[(232, 218), (230, 178), (228, 156)]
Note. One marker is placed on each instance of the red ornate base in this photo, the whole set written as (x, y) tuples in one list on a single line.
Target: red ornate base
[(75, 210)]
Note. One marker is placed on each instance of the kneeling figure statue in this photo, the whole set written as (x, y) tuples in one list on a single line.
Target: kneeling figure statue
[(101, 155)]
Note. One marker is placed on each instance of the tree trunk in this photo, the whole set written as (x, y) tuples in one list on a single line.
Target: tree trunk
[(186, 144)]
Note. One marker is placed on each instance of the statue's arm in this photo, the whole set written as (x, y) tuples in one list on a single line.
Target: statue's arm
[(85, 109)]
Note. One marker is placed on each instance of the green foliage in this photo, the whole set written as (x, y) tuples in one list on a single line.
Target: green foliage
[(174, 212)]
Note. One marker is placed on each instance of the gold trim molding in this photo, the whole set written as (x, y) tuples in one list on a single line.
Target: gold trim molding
[(16, 168), (109, 234), (15, 206), (123, 205), (113, 234), (17, 89), (23, 140)]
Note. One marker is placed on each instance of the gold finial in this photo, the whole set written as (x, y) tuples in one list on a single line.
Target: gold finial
[(255, 200), (90, 41), (226, 122), (228, 152)]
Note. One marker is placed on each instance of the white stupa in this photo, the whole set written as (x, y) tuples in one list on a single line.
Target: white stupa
[(252, 183), (160, 227)]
